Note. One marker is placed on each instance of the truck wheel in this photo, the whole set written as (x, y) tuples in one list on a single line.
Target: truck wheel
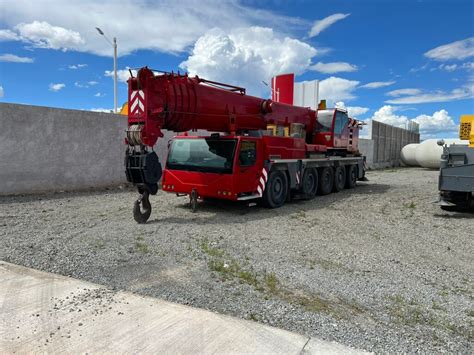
[(326, 180), (309, 183), (276, 189), (339, 178), (351, 177)]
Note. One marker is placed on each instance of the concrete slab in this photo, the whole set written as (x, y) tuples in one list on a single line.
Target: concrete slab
[(43, 312)]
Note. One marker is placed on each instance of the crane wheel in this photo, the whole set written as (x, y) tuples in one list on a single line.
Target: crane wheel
[(276, 190), (326, 180), (193, 200), (309, 183), (351, 177), (141, 214), (339, 178)]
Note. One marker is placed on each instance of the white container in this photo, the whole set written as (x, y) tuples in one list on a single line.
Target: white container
[(407, 154), (428, 153)]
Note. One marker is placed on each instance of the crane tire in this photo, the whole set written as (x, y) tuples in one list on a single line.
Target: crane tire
[(351, 177), (339, 178), (309, 183), (276, 190), (326, 180)]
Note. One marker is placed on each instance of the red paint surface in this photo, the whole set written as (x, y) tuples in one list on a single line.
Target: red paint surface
[(282, 88)]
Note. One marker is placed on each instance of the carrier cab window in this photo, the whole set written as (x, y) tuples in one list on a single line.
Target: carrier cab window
[(341, 120), (202, 154), (248, 153)]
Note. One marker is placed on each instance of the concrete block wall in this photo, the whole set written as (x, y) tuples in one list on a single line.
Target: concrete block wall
[(50, 149), (366, 147), (388, 141)]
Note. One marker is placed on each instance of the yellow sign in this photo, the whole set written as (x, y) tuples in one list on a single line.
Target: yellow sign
[(466, 128)]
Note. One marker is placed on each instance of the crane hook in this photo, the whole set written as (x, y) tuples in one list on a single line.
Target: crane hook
[(138, 215)]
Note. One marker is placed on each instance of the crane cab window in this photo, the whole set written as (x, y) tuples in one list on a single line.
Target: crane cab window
[(248, 153), (324, 120), (340, 121)]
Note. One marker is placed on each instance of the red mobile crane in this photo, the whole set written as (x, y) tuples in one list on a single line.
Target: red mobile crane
[(259, 149)]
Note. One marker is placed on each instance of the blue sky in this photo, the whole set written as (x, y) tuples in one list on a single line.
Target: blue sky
[(390, 60)]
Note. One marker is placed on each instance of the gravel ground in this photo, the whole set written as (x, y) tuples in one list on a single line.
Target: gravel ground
[(378, 267)]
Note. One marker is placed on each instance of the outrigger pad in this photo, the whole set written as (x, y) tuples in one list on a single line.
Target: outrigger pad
[(143, 169)]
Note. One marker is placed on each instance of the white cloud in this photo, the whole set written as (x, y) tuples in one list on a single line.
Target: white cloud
[(401, 92), (353, 111), (246, 56), (99, 94), (8, 35), (2, 92), (43, 35), (456, 50), (101, 109), (468, 66), (15, 59), (437, 124), (321, 25), (335, 89), (335, 67), (77, 66), (419, 97), (377, 84), (164, 25), (85, 85), (448, 67), (56, 87), (452, 67), (122, 74), (386, 114), (417, 69)]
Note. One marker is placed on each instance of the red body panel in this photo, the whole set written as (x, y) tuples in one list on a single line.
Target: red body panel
[(282, 88), (206, 184), (284, 147)]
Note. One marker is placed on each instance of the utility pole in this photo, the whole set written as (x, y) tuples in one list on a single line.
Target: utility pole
[(115, 75), (114, 45)]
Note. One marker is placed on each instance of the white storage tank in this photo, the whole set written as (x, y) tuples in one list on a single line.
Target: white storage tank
[(428, 153), (407, 155)]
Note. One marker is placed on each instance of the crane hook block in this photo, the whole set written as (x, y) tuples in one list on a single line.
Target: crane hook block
[(143, 169)]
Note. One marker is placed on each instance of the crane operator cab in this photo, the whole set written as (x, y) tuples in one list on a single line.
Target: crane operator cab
[(335, 129)]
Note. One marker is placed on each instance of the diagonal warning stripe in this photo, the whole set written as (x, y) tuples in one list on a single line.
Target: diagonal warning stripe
[(137, 101)]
